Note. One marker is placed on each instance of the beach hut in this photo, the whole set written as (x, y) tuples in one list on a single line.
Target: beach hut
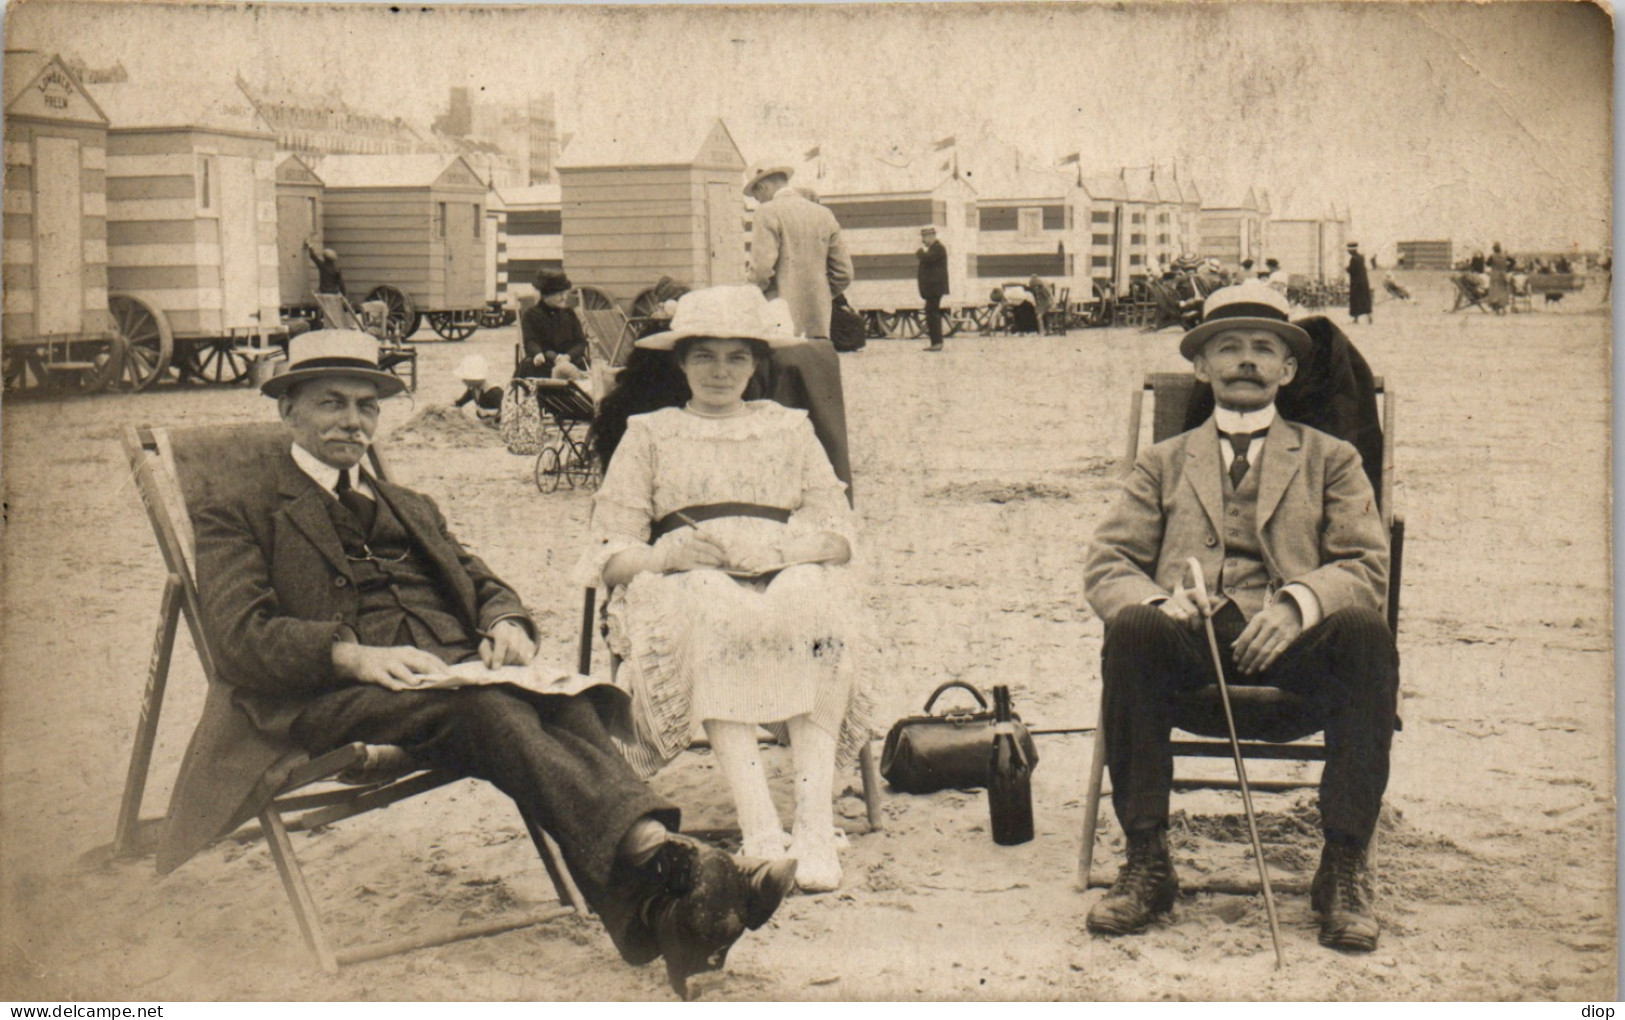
[(1026, 226), (1311, 247), (191, 228), (298, 220), (55, 327), (1233, 230), (533, 236), (646, 198), (409, 231)]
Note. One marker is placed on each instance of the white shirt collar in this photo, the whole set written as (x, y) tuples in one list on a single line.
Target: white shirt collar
[(326, 475), (1248, 421)]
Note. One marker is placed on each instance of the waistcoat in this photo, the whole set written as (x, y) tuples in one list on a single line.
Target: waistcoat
[(1243, 578)]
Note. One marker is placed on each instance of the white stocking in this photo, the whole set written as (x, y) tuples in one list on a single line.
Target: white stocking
[(818, 869), (736, 750)]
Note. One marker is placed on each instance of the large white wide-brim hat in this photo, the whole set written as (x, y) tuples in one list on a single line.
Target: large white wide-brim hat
[(332, 352), (727, 313), (760, 170), (1251, 304)]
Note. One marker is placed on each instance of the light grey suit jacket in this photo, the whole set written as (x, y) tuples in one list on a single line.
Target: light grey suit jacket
[(1317, 520)]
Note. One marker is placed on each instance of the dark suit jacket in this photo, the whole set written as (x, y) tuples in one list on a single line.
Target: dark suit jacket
[(276, 588), (933, 272)]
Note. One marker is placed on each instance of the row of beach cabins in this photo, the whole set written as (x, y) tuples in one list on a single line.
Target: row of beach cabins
[(158, 232)]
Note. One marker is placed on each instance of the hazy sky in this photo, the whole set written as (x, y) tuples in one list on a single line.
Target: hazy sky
[(1474, 122)]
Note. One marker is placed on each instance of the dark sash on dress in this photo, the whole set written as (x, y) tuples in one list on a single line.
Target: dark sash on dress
[(710, 512)]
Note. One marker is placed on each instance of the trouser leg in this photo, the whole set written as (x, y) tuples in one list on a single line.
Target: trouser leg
[(1348, 669), (933, 320), (551, 755), (1147, 660)]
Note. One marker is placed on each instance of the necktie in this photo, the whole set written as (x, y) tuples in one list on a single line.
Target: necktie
[(1239, 442), (364, 509)]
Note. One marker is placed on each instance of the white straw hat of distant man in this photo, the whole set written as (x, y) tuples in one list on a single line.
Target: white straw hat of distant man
[(737, 312), (759, 171), (1251, 304), (332, 352)]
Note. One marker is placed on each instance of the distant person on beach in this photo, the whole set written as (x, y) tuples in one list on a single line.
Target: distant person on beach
[(932, 278), (341, 603), (328, 278), (1359, 285), (1283, 519), (551, 333), (796, 250)]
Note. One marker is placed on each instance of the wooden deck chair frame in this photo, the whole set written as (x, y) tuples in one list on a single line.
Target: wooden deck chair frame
[(868, 767), (338, 313), (1171, 395), (348, 781)]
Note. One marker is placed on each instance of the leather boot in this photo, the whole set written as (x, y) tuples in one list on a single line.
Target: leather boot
[(1146, 886), (1341, 894)]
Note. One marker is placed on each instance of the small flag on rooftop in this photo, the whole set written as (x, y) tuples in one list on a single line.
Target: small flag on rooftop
[(814, 152), (944, 143), (1071, 158)]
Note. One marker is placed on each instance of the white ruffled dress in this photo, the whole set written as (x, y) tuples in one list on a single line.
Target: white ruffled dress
[(701, 644)]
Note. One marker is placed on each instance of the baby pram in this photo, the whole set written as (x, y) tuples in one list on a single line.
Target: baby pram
[(567, 413)]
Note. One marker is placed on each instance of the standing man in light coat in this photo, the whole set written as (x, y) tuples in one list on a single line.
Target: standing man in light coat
[(796, 250)]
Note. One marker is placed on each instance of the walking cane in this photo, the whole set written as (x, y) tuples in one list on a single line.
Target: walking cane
[(1235, 750)]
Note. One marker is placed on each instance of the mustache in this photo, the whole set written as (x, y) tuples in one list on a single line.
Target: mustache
[(359, 436), (1245, 376)]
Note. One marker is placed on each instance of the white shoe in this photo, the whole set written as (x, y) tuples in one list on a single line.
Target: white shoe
[(818, 866)]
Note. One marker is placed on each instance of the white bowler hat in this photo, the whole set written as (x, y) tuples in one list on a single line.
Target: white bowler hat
[(727, 313), (1251, 304), (328, 352), (760, 170)]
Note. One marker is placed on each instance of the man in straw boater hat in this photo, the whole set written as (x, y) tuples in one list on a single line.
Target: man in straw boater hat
[(796, 250), (1284, 519), (338, 600)]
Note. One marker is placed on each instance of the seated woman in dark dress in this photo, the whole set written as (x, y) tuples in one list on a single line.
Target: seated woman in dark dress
[(550, 330)]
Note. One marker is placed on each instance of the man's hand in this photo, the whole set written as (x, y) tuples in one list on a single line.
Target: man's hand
[(1181, 607), (507, 645), (1268, 634), (400, 668)]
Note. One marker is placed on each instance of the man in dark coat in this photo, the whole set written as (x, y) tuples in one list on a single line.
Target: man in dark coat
[(933, 280), (328, 278), (335, 602), (550, 330), (1359, 285)]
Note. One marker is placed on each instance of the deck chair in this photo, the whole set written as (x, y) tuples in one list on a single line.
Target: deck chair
[(609, 334), (1256, 707), (1468, 294), (1059, 315), (175, 471), (373, 318)]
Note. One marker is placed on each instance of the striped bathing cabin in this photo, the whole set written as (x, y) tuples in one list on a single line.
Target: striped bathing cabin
[(298, 219), (1310, 247), (55, 252), (191, 207), (533, 237), (880, 222), (650, 199), (412, 224)]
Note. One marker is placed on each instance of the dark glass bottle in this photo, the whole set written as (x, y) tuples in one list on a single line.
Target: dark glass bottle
[(1009, 778)]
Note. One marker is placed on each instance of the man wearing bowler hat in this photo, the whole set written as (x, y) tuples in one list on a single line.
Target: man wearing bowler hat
[(1284, 520), (337, 601), (796, 250), (933, 282)]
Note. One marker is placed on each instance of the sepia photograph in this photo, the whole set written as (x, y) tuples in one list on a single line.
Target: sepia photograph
[(837, 502)]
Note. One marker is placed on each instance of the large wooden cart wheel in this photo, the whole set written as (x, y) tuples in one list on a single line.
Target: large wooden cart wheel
[(215, 361), (595, 300), (148, 343), (455, 326), (404, 317)]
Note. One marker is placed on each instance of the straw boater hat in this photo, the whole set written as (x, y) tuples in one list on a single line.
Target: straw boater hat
[(760, 170), (1252, 304), (326, 352), (727, 313)]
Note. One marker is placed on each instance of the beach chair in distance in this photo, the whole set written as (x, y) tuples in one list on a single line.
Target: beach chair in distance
[(176, 470), (373, 319), (1274, 724)]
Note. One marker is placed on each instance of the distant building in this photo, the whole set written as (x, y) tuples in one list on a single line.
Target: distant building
[(1233, 230), (1312, 247), (326, 126), (525, 136), (1426, 254)]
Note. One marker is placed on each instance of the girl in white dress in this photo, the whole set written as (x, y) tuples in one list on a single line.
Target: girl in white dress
[(724, 535)]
